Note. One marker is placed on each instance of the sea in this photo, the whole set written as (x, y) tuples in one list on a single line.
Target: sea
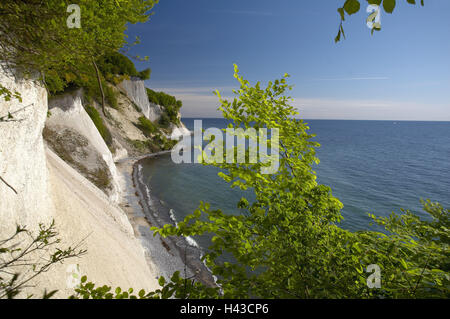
[(374, 167)]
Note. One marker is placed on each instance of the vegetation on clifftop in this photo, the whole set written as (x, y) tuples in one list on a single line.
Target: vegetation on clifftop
[(147, 126), (171, 106), (98, 122), (36, 35), (116, 63)]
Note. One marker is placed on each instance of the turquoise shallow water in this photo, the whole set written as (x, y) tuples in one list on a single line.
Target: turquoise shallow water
[(371, 166)]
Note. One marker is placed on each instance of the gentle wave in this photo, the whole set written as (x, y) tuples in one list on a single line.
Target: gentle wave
[(146, 187), (191, 241), (209, 269)]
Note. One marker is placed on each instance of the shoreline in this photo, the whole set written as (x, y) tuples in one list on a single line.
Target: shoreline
[(164, 255)]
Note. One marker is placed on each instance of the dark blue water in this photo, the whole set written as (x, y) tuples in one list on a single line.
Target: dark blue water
[(371, 166)]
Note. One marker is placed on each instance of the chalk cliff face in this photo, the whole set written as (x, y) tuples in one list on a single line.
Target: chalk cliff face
[(22, 158), (135, 90), (45, 188), (67, 111), (178, 131), (39, 185)]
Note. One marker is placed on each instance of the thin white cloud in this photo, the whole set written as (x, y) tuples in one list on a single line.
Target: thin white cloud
[(200, 102), (192, 90), (368, 78), (200, 105), (319, 108)]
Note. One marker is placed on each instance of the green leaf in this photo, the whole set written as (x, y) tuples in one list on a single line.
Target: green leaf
[(351, 6), (404, 265), (292, 226), (342, 13), (338, 37)]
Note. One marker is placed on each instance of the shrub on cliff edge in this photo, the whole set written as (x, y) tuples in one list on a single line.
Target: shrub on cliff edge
[(98, 122)]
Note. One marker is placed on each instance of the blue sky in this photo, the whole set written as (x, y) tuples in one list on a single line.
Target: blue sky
[(399, 73)]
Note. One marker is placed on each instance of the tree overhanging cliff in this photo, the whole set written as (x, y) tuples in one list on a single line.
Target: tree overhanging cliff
[(38, 35)]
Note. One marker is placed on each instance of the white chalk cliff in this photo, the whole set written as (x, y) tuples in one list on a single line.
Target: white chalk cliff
[(136, 92), (43, 187), (22, 158), (68, 111), (178, 131)]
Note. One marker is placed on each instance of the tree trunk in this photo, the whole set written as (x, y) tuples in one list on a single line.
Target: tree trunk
[(100, 86), (6, 183)]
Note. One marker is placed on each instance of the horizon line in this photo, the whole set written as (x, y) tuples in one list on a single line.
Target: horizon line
[(319, 119)]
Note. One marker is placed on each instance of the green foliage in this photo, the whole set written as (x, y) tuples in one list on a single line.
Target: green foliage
[(172, 113), (178, 287), (7, 95), (147, 126), (54, 83), (353, 6), (163, 142), (158, 141), (38, 38), (114, 67), (153, 96), (59, 82), (170, 104), (161, 98), (287, 243), (25, 255), (156, 144), (145, 74), (415, 257), (389, 5), (111, 96), (164, 120), (136, 107), (115, 63), (98, 121), (87, 290), (142, 146)]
